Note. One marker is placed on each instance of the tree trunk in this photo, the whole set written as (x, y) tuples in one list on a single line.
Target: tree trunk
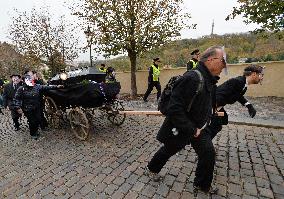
[(133, 57)]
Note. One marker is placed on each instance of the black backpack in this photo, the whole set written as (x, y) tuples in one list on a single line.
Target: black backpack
[(167, 92)]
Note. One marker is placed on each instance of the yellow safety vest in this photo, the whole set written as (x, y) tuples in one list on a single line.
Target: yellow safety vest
[(103, 70), (194, 64), (156, 73)]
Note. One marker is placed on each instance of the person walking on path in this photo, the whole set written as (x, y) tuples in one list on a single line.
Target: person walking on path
[(8, 95), (153, 79), (188, 114), (193, 62)]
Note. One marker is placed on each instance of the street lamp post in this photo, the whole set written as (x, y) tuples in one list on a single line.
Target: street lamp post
[(89, 38)]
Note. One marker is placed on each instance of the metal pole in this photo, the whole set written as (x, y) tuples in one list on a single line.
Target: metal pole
[(63, 54), (91, 61)]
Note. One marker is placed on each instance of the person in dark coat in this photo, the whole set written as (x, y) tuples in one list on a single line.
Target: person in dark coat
[(153, 79), (182, 126), (193, 62), (110, 75), (232, 91), (8, 95), (27, 101)]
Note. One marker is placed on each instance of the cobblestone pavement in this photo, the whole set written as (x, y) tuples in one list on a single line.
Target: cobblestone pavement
[(250, 163), (268, 108)]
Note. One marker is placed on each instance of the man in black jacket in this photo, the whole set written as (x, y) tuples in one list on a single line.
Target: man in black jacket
[(8, 95), (182, 126), (232, 91)]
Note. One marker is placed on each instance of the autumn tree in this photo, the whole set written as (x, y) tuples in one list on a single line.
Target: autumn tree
[(10, 60), (268, 14), (132, 26), (43, 40)]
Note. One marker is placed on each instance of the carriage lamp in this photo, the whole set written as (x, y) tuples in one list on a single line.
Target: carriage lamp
[(63, 76)]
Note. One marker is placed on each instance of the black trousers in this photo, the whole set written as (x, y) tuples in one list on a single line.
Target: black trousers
[(15, 117), (163, 155), (204, 149), (151, 85), (33, 117)]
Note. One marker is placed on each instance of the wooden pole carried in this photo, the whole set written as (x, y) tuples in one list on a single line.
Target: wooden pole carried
[(156, 113)]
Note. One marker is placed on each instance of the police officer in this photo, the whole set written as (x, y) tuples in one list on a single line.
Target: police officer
[(182, 126), (153, 79), (27, 101), (193, 62), (103, 68), (8, 95)]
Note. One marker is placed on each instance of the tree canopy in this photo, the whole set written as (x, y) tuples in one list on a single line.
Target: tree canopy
[(268, 14), (132, 26), (43, 40)]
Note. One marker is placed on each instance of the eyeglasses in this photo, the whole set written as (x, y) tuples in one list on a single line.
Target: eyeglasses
[(221, 59)]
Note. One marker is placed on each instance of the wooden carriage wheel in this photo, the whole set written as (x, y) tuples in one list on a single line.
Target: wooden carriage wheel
[(114, 116), (52, 113), (79, 123)]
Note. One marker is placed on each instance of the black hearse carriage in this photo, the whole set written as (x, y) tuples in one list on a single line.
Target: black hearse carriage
[(84, 93)]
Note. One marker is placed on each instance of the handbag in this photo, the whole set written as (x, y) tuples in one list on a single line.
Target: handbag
[(221, 120)]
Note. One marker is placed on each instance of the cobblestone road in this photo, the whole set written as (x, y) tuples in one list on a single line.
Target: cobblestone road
[(250, 163)]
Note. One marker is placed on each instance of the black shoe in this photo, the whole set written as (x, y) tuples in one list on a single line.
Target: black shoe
[(17, 128), (154, 176), (211, 190), (35, 137)]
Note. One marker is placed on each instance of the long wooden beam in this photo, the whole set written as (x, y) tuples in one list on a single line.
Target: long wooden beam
[(156, 113)]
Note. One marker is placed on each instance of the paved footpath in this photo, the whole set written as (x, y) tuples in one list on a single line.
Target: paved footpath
[(250, 163)]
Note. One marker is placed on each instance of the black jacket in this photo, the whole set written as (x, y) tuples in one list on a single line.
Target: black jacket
[(28, 98), (201, 110), (231, 91), (9, 93)]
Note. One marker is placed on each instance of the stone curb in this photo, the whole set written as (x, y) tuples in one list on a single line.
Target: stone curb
[(257, 122)]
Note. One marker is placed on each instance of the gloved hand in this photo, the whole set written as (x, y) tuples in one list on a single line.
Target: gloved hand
[(251, 110)]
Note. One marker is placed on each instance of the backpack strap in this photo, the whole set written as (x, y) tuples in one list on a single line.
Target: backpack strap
[(199, 88)]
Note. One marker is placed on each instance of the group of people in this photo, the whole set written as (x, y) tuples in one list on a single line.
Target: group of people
[(24, 96), (197, 118)]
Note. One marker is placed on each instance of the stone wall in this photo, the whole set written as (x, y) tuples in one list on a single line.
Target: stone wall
[(273, 83)]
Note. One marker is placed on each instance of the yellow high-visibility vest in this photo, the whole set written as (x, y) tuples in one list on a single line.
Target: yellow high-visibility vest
[(103, 70), (194, 64), (156, 73)]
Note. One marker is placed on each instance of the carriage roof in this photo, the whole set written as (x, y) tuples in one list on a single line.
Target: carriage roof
[(80, 74)]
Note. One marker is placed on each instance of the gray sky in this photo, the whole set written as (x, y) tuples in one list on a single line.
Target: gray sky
[(203, 12)]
